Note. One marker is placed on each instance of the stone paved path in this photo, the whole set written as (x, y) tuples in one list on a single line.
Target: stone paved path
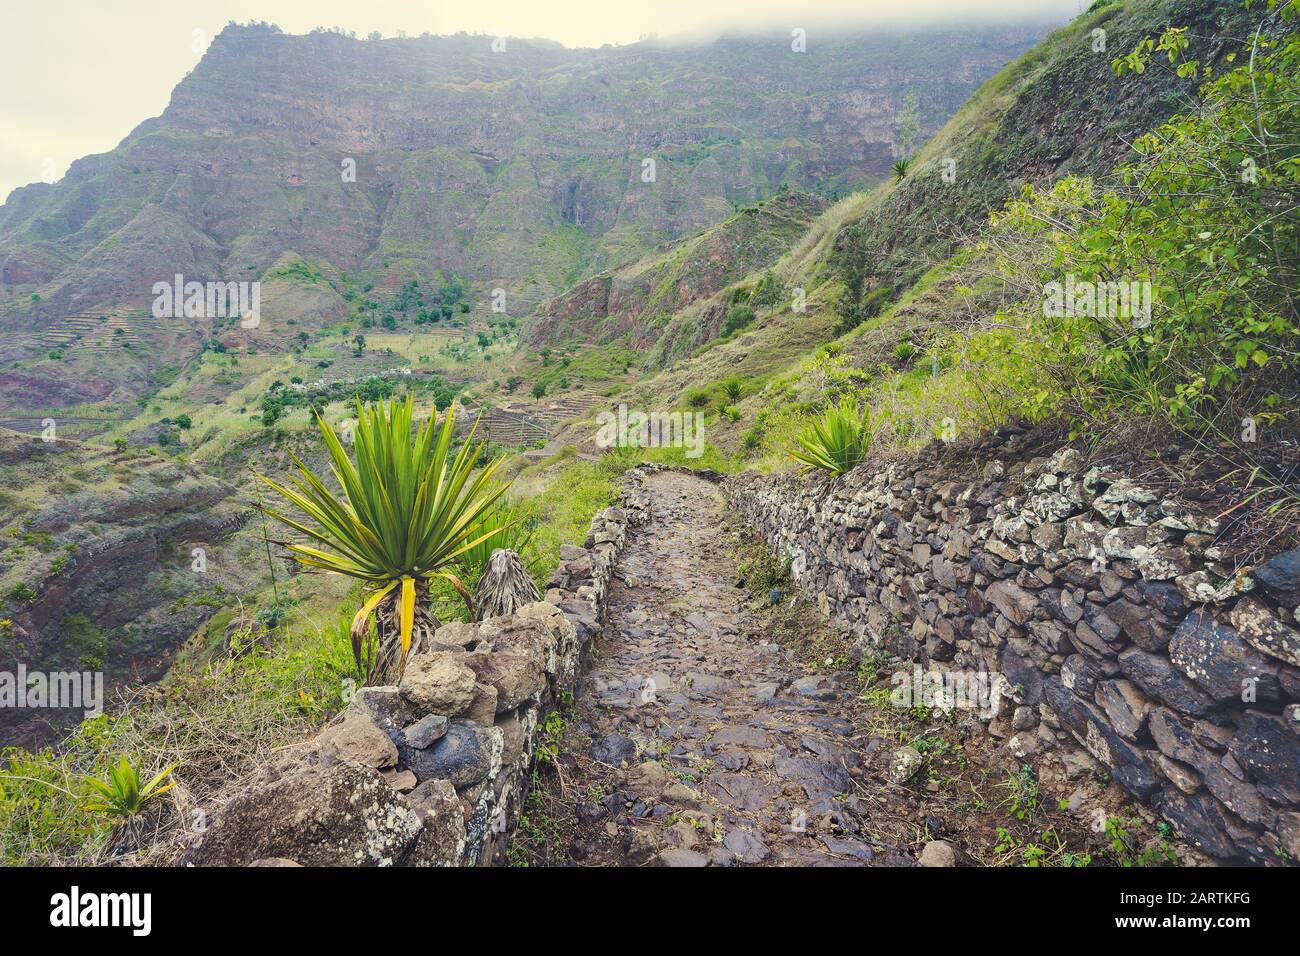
[(702, 742)]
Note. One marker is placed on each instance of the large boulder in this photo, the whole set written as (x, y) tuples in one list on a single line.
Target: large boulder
[(441, 840), (329, 814), (516, 677), (385, 706), (529, 633), (438, 683), (355, 738), (467, 753)]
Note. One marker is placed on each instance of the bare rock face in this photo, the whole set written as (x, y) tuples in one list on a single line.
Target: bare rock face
[(438, 683), (515, 175), (325, 815)]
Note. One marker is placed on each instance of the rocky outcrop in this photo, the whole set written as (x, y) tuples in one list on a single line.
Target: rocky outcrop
[(1102, 608), (432, 771)]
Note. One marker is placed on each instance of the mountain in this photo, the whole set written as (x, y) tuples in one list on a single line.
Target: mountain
[(520, 170), (890, 259)]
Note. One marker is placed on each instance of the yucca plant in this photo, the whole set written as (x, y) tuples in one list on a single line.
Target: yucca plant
[(121, 794), (409, 508), (838, 439)]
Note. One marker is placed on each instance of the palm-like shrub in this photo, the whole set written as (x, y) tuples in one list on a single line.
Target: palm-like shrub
[(901, 168), (836, 440), (121, 794), (732, 387), (409, 509)]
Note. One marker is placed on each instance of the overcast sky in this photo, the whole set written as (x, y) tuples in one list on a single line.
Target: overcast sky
[(78, 75)]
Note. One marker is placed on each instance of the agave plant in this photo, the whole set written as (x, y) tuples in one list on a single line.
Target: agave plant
[(121, 794), (901, 168), (838, 439), (409, 509)]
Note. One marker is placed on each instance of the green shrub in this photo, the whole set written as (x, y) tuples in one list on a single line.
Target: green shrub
[(697, 397), (1191, 231), (837, 440), (22, 593), (738, 317), (769, 289), (121, 795)]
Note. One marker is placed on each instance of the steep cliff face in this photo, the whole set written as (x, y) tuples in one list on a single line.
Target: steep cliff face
[(110, 560), (389, 160)]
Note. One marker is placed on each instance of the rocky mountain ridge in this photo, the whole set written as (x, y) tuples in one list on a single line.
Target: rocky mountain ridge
[(384, 161)]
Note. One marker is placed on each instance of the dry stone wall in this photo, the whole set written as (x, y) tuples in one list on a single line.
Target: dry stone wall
[(432, 771), (1104, 608)]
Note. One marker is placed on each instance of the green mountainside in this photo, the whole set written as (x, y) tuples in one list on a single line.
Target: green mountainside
[(880, 270)]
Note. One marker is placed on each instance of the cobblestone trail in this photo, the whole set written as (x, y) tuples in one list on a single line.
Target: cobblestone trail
[(708, 744)]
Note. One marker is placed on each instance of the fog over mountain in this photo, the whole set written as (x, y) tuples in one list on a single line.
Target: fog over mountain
[(80, 91)]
